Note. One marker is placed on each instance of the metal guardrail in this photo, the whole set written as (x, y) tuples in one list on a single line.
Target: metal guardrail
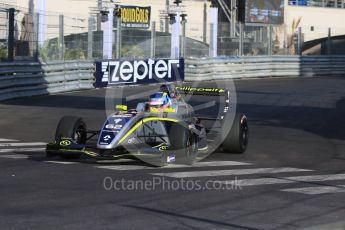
[(30, 79), (264, 66)]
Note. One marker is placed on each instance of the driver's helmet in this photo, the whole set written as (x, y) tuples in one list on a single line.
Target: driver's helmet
[(170, 90), (159, 99)]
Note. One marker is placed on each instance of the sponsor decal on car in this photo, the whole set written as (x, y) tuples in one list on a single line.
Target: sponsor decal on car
[(200, 90), (163, 148), (107, 138), (65, 143), (166, 110), (171, 158), (131, 140)]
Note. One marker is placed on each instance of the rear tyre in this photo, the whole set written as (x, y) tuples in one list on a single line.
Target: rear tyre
[(74, 128), (236, 141), (184, 144)]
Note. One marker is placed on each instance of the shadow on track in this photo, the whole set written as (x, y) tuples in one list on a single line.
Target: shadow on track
[(325, 122)]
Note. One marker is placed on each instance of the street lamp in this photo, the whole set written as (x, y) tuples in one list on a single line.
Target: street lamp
[(177, 2), (172, 18), (183, 17), (117, 11), (104, 15)]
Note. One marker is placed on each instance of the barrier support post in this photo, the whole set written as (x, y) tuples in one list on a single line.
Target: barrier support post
[(240, 48), (299, 41), (90, 39), (270, 40), (108, 35), (329, 42), (153, 40), (204, 34), (35, 37), (10, 45), (214, 32), (183, 39), (118, 38), (61, 38)]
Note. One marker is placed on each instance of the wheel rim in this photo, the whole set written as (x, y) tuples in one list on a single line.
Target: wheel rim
[(78, 136)]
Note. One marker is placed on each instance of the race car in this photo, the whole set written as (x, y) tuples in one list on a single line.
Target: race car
[(163, 130)]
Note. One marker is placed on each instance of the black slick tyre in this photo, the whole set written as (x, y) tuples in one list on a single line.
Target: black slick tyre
[(236, 141), (74, 128)]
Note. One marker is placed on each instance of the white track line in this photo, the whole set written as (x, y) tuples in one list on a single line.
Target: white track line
[(9, 140), (317, 190), (22, 150), (124, 167), (198, 164), (62, 162), (230, 172), (116, 161), (287, 180), (15, 156), (22, 144)]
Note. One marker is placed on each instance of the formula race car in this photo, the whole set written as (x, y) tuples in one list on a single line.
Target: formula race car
[(161, 131)]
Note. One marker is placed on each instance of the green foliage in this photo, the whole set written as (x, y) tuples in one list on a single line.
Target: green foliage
[(49, 51), (3, 52), (74, 54), (130, 51)]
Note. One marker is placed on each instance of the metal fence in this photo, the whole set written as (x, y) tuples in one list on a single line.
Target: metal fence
[(42, 37), (53, 37)]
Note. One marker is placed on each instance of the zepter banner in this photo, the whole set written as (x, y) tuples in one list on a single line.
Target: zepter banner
[(149, 71)]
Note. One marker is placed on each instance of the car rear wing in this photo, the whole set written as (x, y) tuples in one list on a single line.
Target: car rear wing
[(217, 92)]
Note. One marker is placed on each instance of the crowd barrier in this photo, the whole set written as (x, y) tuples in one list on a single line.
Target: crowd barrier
[(30, 79), (264, 66)]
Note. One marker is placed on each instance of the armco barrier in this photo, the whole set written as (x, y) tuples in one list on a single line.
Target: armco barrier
[(29, 79), (264, 66)]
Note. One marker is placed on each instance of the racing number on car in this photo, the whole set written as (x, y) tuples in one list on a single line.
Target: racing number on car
[(65, 143)]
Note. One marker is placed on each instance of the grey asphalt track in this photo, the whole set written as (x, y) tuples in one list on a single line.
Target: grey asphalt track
[(291, 177)]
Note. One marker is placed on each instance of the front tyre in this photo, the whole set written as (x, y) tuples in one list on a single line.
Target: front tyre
[(236, 141), (74, 128), (184, 143)]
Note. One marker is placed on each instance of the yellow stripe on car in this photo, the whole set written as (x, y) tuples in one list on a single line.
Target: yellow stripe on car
[(135, 127)]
